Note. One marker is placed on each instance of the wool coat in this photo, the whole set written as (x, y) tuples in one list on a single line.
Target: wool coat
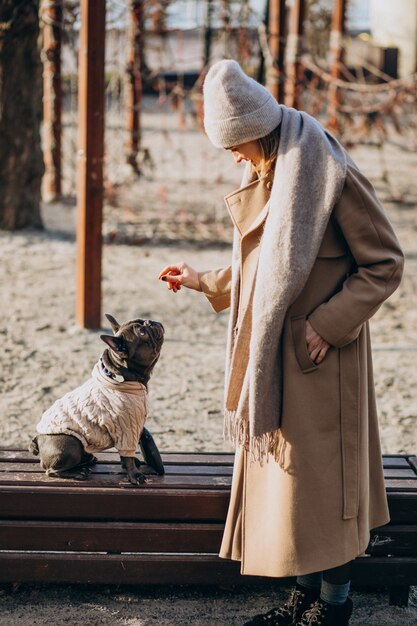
[(314, 508)]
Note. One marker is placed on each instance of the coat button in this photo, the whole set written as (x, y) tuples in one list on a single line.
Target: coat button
[(268, 184)]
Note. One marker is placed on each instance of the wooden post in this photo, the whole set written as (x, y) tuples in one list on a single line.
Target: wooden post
[(294, 48), (90, 162), (277, 32), (336, 58), (135, 82), (52, 18)]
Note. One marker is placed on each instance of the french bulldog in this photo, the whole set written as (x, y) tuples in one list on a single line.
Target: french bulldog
[(108, 410)]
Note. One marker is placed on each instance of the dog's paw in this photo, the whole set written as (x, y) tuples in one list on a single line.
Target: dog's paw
[(76, 474), (137, 478), (82, 473)]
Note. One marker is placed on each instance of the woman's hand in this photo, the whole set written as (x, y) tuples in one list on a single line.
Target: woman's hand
[(180, 275), (317, 347)]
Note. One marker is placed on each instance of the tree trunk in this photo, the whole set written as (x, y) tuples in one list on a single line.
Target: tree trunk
[(208, 33), (52, 16), (135, 72), (21, 162)]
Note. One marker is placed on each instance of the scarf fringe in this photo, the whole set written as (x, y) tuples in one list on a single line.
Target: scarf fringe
[(236, 430)]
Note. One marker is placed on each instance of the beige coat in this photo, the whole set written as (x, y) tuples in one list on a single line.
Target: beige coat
[(315, 510)]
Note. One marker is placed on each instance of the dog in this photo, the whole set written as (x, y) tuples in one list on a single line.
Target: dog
[(108, 410)]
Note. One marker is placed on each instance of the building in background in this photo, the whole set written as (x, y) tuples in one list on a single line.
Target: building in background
[(394, 23)]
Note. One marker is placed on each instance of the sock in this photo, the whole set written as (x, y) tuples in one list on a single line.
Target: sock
[(311, 581), (334, 594)]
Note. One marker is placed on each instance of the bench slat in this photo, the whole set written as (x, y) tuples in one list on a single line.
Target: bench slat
[(392, 472), (110, 536), (26, 467), (180, 481), (169, 569), (162, 537), (125, 569), (399, 462), (176, 476), (404, 484), (197, 458), (122, 504), (115, 469), (178, 458), (20, 502)]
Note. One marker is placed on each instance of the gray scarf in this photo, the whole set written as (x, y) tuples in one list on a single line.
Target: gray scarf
[(309, 177)]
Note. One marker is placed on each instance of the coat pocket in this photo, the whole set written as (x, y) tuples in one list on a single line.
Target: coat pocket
[(298, 329)]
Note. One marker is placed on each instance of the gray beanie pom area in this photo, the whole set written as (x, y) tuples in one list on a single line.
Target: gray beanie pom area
[(237, 108)]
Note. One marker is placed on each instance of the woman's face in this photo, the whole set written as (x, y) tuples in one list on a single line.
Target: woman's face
[(249, 151)]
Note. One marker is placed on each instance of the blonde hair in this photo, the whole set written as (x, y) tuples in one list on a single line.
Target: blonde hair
[(269, 146)]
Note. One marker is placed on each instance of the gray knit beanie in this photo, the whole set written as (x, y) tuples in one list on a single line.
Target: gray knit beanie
[(237, 109)]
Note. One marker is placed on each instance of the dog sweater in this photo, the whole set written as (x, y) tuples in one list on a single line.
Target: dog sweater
[(101, 413)]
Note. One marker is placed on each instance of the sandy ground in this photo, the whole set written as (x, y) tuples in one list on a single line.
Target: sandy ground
[(175, 212)]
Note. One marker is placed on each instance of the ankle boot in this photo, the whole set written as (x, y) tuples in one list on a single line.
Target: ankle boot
[(321, 613), (289, 613)]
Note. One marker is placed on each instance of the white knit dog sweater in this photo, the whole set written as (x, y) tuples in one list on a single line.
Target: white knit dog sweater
[(101, 413)]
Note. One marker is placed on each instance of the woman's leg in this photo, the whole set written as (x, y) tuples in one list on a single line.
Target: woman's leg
[(311, 581), (336, 584), (338, 575)]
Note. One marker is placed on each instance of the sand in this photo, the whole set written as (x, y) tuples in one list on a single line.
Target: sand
[(174, 213)]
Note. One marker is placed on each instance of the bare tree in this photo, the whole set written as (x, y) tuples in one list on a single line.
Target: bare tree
[(318, 26), (21, 162)]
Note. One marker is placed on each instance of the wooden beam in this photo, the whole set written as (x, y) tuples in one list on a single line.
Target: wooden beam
[(90, 162), (277, 39), (336, 58), (294, 48), (52, 19)]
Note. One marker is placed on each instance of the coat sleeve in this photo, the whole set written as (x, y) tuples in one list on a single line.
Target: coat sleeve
[(216, 285), (378, 264)]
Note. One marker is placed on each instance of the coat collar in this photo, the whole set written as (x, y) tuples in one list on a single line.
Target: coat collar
[(248, 206)]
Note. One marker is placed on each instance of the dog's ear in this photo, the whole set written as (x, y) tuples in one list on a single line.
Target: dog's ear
[(117, 344), (115, 325)]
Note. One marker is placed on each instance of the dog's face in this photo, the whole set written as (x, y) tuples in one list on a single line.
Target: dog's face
[(135, 346)]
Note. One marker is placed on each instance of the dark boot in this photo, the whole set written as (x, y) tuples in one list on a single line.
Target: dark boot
[(324, 614), (289, 613)]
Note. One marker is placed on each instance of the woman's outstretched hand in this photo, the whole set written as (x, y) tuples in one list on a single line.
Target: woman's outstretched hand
[(180, 275), (317, 347)]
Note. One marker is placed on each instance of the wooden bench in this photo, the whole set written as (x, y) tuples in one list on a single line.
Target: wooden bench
[(104, 530)]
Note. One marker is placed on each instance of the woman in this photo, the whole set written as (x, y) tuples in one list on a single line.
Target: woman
[(314, 256)]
